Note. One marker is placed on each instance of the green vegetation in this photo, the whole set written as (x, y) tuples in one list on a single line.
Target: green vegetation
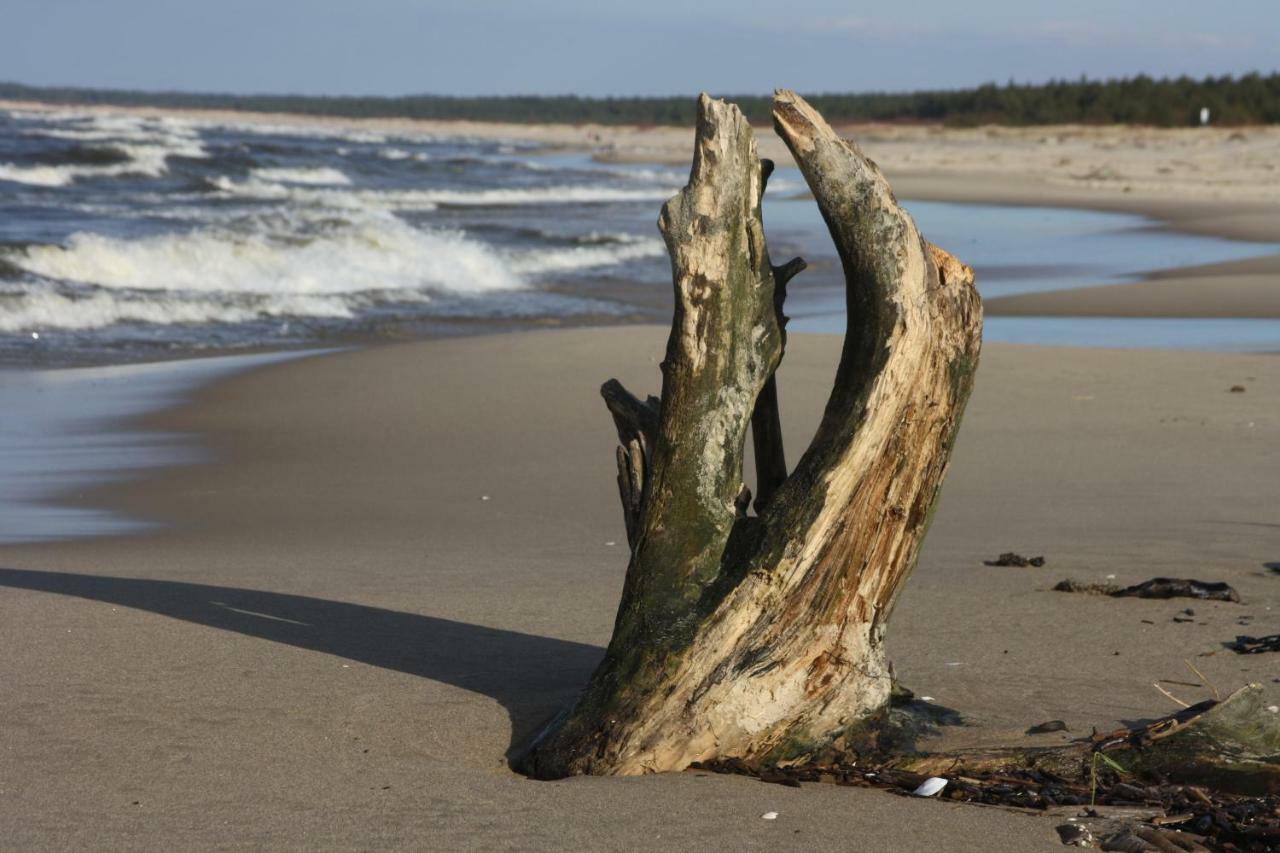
[(1251, 99)]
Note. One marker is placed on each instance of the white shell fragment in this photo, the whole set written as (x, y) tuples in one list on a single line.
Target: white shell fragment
[(770, 815), (930, 786)]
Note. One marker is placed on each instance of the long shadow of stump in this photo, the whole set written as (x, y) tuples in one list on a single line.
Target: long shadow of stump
[(531, 676)]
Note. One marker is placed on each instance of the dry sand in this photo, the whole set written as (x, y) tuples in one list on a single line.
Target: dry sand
[(339, 640)]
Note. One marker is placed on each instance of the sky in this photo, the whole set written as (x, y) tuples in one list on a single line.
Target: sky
[(641, 47)]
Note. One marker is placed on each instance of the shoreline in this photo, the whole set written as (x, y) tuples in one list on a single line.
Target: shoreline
[(406, 557), (77, 432)]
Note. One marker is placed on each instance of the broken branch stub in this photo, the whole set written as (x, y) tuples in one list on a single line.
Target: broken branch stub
[(761, 637)]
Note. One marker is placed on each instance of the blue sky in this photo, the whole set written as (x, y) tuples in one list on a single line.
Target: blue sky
[(613, 48)]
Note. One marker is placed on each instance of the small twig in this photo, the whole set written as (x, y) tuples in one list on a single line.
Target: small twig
[(1207, 683), (1166, 820), (1198, 794), (1157, 686)]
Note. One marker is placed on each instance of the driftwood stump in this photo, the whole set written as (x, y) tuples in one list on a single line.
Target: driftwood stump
[(761, 636)]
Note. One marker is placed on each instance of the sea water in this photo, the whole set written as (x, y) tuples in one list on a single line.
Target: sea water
[(127, 238)]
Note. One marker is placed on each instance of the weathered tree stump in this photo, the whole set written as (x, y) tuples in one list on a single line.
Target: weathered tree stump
[(761, 636)]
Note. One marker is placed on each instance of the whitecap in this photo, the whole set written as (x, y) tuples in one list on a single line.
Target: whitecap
[(603, 254), (313, 176), (48, 309), (226, 275), (531, 195), (146, 144), (256, 188)]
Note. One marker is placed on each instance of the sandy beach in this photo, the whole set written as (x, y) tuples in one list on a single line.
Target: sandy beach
[(406, 557), (394, 563)]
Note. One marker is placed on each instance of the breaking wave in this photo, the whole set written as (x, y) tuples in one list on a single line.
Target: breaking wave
[(605, 251), (319, 176), (137, 146), (543, 195), (225, 275), (255, 187), (272, 223)]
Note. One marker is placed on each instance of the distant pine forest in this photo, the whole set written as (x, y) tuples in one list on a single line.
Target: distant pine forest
[(1249, 99)]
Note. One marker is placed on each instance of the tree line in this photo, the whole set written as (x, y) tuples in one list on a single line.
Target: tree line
[(1169, 102)]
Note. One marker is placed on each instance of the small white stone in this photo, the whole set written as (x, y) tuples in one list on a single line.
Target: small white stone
[(770, 815), (1275, 709), (931, 786)]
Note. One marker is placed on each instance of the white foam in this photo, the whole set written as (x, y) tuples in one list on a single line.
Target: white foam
[(38, 176), (669, 177), (256, 188), (526, 196), (301, 130), (402, 154), (145, 162), (318, 176), (146, 143), (601, 254), (47, 309), (220, 274)]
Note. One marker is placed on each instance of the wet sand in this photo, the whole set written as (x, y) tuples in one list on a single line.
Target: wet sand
[(339, 639), (1248, 288)]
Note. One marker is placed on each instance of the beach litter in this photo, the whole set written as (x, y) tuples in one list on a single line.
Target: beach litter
[(1156, 588), (770, 816), (1075, 835), (929, 787), (1012, 558)]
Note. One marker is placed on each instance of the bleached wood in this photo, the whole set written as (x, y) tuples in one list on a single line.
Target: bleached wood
[(761, 637)]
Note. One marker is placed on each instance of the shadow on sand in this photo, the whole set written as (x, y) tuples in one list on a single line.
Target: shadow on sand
[(532, 677)]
